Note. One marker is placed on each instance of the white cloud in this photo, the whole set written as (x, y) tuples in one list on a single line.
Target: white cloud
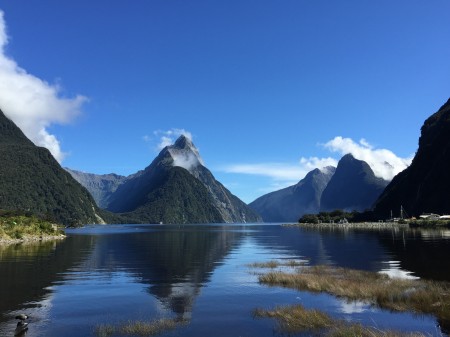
[(312, 163), (384, 163), (31, 103), (276, 171), (282, 172), (168, 137), (186, 160)]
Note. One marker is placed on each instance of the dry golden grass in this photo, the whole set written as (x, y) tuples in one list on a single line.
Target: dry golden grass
[(418, 296), (297, 319), (138, 328)]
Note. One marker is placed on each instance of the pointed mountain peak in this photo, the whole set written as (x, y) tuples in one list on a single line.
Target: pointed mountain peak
[(183, 142), (185, 154), (348, 163)]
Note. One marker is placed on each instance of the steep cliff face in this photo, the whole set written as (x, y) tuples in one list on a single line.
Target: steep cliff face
[(190, 191), (424, 186), (290, 203), (353, 187), (32, 180)]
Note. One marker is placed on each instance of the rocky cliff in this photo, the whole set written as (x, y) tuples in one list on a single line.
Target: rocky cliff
[(424, 186)]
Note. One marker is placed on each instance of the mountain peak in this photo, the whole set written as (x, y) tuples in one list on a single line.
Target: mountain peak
[(183, 142), (353, 186), (185, 154)]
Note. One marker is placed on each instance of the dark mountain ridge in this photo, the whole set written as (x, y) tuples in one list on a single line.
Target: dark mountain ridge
[(424, 186), (353, 187), (290, 203), (32, 180)]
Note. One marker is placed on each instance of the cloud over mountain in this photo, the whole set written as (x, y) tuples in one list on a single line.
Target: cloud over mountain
[(168, 137), (384, 163), (32, 103)]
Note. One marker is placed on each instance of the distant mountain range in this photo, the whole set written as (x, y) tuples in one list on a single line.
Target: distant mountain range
[(352, 186), (175, 188), (425, 185), (290, 203), (32, 180), (100, 186)]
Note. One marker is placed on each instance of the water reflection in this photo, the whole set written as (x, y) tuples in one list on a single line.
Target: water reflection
[(417, 252), (394, 270), (174, 261), (421, 251), (196, 273), (28, 270)]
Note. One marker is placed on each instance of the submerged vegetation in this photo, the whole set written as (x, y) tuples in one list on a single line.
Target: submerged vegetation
[(295, 319), (20, 226), (417, 296), (138, 328), (272, 264)]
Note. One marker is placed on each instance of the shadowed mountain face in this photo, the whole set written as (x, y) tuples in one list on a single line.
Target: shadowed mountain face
[(99, 186), (177, 188), (352, 187), (32, 180), (424, 186), (290, 203)]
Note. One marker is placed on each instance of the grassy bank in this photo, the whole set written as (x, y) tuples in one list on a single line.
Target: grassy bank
[(17, 228), (418, 296)]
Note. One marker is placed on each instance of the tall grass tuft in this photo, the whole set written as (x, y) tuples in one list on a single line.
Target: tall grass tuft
[(138, 328), (296, 318)]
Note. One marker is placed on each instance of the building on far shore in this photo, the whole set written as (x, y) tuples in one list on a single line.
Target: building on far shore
[(432, 216)]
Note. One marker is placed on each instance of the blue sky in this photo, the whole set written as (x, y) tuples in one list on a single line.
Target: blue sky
[(265, 88)]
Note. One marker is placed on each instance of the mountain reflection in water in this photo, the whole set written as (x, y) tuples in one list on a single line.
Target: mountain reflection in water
[(198, 274)]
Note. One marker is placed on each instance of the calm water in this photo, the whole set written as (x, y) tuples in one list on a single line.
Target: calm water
[(112, 274)]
